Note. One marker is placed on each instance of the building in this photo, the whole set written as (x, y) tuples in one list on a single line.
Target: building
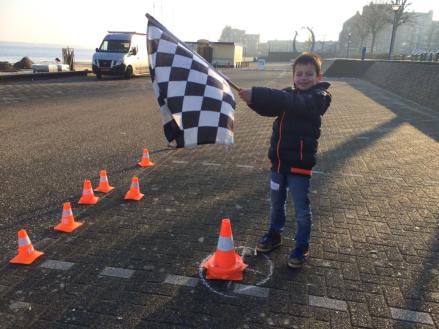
[(249, 42), (420, 32), (221, 54)]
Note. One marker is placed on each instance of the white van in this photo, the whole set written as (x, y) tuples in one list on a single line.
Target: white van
[(121, 53)]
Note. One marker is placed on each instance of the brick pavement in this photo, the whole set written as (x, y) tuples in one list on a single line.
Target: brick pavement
[(374, 256)]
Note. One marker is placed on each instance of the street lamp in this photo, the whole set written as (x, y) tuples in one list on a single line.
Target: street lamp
[(395, 7), (349, 44)]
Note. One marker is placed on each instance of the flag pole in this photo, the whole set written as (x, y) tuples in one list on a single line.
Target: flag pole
[(234, 85)]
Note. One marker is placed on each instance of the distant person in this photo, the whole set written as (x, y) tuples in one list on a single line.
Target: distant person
[(296, 130)]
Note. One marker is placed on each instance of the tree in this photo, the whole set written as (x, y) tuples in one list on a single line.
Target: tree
[(376, 17), (401, 15), (360, 30), (226, 34)]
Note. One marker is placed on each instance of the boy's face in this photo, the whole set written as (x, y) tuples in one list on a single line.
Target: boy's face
[(305, 76)]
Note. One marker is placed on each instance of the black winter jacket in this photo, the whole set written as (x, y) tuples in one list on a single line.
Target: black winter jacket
[(296, 130)]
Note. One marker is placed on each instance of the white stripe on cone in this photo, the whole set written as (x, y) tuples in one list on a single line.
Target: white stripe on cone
[(23, 241), (225, 244)]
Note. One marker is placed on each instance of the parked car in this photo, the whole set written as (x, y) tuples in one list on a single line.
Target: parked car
[(121, 54)]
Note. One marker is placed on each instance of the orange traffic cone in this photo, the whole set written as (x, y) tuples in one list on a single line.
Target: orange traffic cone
[(145, 161), (88, 196), (68, 223), (26, 252), (134, 192), (104, 186), (225, 264)]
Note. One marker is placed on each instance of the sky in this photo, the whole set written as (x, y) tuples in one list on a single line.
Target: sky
[(84, 23)]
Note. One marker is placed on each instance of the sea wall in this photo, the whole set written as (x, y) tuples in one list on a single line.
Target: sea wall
[(417, 81)]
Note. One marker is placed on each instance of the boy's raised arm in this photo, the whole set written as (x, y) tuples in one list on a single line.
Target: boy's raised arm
[(259, 100), (272, 102)]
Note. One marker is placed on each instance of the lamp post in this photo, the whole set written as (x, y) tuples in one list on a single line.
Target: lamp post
[(348, 45), (395, 7)]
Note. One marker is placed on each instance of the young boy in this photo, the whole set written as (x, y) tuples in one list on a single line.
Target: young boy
[(293, 148)]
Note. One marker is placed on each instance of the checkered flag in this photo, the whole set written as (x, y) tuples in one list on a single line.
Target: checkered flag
[(197, 105)]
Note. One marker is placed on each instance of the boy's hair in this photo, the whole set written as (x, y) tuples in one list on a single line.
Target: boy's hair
[(309, 58)]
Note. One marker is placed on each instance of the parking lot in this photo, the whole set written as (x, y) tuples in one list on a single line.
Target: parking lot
[(375, 200)]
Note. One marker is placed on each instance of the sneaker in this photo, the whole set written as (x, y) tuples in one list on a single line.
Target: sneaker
[(269, 241), (298, 257)]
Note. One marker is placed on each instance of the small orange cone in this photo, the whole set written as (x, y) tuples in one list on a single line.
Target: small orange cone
[(145, 161), (68, 223), (26, 252), (225, 264), (104, 186), (134, 192), (88, 196)]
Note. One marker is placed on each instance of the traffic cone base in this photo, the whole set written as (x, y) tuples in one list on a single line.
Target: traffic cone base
[(26, 260), (26, 252), (132, 195), (234, 273), (68, 228), (88, 200), (145, 163)]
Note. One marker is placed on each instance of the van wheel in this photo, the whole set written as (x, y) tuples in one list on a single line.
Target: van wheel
[(98, 76), (128, 73)]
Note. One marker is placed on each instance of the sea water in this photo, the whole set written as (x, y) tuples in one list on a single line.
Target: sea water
[(13, 52)]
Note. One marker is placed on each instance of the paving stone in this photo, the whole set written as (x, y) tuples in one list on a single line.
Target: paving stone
[(117, 272), (57, 265), (333, 304), (181, 280), (412, 316), (360, 315), (375, 206)]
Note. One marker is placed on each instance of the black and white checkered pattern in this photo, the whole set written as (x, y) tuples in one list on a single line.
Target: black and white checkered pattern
[(196, 103)]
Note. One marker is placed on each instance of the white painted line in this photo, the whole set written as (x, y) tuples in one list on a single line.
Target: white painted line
[(117, 272), (57, 265), (392, 178), (245, 166), (333, 304), (180, 161), (318, 172), (210, 164), (252, 270), (19, 306), (352, 175), (180, 280), (244, 289), (411, 316)]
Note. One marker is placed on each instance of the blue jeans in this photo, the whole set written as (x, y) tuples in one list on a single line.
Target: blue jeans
[(298, 185)]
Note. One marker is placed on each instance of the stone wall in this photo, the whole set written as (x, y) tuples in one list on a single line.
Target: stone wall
[(417, 81), (348, 68)]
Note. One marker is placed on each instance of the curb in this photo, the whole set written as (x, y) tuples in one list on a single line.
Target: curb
[(42, 76)]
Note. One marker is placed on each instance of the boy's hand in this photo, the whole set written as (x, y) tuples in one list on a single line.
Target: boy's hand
[(246, 95)]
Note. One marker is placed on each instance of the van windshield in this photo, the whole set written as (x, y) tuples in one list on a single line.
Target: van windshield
[(115, 46)]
